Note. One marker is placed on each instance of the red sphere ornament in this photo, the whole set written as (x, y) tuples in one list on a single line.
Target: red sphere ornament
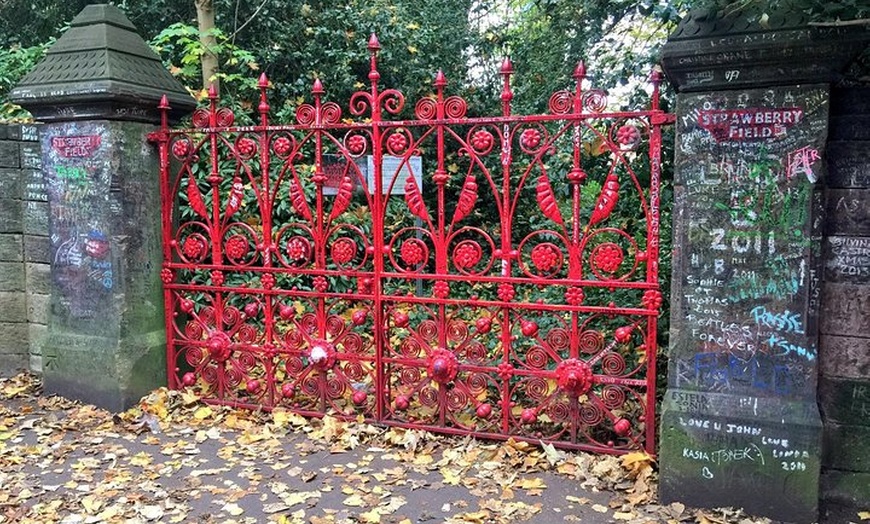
[(287, 390), (622, 427), (401, 319), (252, 309), (622, 334), (443, 366), (484, 410), (359, 317), (286, 312), (529, 416), (402, 402), (253, 386), (186, 305), (483, 324), (219, 346), (529, 328), (574, 377), (188, 379), (322, 354), (359, 397)]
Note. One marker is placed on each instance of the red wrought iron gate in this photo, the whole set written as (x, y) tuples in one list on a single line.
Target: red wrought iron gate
[(493, 276)]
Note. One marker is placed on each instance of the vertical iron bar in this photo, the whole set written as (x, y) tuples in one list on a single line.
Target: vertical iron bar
[(506, 97), (377, 231), (652, 261)]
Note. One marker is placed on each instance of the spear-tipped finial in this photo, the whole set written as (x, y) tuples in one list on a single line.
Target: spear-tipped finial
[(263, 107), (655, 78), (317, 89), (164, 103), (440, 79), (507, 68), (580, 70), (507, 95), (212, 92), (655, 75), (374, 45)]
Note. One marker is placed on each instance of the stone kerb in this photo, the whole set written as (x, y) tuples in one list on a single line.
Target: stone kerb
[(740, 420), (97, 92)]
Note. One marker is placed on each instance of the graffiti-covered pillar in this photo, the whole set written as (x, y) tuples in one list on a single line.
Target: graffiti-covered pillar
[(740, 421), (97, 92)]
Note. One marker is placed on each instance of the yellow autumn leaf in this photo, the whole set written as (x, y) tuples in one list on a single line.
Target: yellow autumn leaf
[(453, 167), (864, 515), (92, 503), (202, 413), (423, 460), (189, 397), (354, 500), (478, 517), (141, 459), (413, 26), (451, 477), (636, 463), (412, 49), (533, 483), (233, 509), (370, 517)]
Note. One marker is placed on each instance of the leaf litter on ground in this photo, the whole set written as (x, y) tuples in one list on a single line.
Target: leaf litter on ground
[(100, 479)]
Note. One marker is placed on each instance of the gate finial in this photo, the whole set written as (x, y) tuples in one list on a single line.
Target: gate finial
[(374, 46), (507, 69), (655, 78), (263, 108)]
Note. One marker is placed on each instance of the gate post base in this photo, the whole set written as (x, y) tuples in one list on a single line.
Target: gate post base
[(759, 454), (110, 373)]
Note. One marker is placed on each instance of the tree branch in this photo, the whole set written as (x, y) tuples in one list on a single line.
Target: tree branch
[(249, 20)]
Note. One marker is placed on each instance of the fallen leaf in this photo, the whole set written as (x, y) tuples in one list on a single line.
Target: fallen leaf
[(151, 512), (354, 500), (233, 509), (532, 483)]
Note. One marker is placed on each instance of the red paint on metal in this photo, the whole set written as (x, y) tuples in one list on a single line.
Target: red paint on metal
[(290, 284)]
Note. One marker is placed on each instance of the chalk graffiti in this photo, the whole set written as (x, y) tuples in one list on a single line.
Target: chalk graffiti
[(786, 322), (76, 146), (800, 162), (749, 124), (750, 452), (715, 371)]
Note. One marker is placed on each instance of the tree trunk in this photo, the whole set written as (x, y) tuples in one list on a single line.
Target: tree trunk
[(205, 19)]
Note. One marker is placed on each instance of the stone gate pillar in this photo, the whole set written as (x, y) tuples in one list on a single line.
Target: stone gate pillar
[(97, 92), (740, 420)]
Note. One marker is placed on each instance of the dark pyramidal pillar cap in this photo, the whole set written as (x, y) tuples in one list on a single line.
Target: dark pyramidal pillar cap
[(744, 49), (100, 69)]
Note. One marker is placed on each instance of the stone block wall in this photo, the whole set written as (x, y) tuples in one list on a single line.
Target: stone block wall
[(24, 264), (844, 382)]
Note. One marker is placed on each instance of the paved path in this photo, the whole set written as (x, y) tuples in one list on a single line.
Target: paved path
[(181, 461)]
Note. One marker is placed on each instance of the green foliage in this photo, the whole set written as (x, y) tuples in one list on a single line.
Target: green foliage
[(180, 48), (15, 62)]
